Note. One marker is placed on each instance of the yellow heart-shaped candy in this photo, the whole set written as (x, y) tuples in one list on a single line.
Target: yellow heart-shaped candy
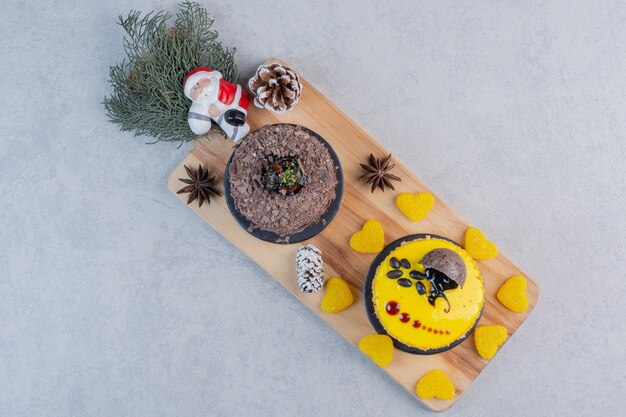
[(488, 339), (512, 294), (370, 239), (478, 246), (435, 384), (379, 347), (338, 296), (415, 206)]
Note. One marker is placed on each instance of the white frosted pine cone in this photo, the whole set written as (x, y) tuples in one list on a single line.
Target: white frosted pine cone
[(277, 87), (310, 269)]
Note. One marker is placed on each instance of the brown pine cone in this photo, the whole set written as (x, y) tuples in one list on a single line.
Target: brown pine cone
[(277, 87)]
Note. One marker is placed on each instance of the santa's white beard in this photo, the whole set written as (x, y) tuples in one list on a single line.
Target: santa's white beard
[(207, 96)]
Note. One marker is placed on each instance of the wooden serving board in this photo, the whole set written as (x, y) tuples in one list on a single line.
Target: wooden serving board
[(353, 146)]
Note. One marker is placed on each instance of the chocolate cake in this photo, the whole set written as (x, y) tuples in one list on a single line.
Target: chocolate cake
[(282, 179)]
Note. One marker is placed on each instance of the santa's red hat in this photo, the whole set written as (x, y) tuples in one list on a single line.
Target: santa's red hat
[(196, 75)]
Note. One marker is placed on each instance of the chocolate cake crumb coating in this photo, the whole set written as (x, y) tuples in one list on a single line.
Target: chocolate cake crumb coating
[(271, 211)]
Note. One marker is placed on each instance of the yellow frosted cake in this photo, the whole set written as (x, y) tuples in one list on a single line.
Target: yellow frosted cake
[(425, 292)]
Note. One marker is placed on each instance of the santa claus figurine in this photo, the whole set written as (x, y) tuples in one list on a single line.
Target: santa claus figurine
[(216, 99)]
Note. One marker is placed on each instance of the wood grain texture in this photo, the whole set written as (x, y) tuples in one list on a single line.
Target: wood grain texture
[(353, 146)]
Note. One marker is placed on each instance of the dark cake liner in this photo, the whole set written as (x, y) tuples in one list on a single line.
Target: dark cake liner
[(308, 232), (369, 299)]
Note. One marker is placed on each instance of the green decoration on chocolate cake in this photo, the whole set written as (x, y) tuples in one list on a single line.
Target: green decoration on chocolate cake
[(283, 175), (148, 95)]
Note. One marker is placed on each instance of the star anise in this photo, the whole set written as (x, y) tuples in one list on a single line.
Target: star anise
[(377, 173), (201, 185)]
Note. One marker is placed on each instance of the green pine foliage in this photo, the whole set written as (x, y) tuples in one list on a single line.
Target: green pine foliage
[(147, 86)]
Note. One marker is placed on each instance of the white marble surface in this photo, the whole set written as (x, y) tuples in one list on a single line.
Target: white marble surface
[(117, 300)]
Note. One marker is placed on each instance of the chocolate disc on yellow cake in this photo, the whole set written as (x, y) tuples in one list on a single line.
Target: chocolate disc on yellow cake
[(425, 292)]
